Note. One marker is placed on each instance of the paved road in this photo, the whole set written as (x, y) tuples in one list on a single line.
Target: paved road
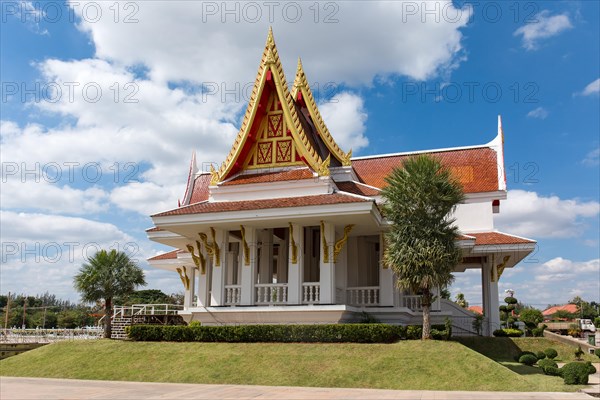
[(47, 389)]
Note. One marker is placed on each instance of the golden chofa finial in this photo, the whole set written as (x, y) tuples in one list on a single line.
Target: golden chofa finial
[(270, 38)]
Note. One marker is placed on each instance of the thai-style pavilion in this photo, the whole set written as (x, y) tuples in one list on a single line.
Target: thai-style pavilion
[(289, 229)]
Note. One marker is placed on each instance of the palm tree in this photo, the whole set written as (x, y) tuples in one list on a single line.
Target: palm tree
[(106, 275), (420, 197)]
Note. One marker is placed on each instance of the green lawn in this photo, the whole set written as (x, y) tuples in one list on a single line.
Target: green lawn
[(432, 365)]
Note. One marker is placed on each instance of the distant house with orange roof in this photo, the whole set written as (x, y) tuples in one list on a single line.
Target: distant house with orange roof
[(476, 309), (570, 308)]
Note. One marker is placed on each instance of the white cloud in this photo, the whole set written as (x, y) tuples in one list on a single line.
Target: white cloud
[(539, 112), (213, 46), (29, 194), (543, 27), (529, 214), (591, 88), (146, 198), (592, 158), (561, 265), (345, 115)]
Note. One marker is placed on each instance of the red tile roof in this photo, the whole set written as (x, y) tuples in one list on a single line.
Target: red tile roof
[(476, 168), (200, 190), (357, 188), (476, 309), (171, 255), (275, 176), (490, 238), (571, 308), (224, 206)]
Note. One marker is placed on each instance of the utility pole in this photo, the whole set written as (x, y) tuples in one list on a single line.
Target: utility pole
[(7, 311), (24, 310)]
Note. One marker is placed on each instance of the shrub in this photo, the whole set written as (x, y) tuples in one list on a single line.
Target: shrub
[(547, 363), (551, 353), (575, 373), (334, 333), (591, 368), (540, 355), (500, 333), (414, 332), (528, 359), (510, 300), (574, 331), (513, 332), (597, 352), (552, 371), (194, 323), (597, 322), (539, 332), (578, 353)]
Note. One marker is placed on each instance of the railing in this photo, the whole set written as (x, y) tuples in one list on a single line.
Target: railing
[(146, 309), (363, 296), (413, 302), (49, 335), (233, 294), (271, 293), (311, 293)]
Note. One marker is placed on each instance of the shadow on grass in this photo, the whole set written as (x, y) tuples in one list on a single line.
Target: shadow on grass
[(497, 348), (522, 369)]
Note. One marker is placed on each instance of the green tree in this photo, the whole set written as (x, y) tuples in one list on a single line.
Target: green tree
[(420, 197), (531, 317), (105, 276), (461, 301)]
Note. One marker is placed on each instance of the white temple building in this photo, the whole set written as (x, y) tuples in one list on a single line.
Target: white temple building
[(289, 229)]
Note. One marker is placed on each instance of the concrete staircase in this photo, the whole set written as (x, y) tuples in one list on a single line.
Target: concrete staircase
[(118, 327)]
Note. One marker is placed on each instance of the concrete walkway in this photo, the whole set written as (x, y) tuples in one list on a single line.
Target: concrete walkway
[(42, 388)]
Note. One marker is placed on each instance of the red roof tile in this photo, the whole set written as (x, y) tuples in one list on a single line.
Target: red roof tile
[(476, 168), (571, 308), (476, 309), (490, 238), (278, 176), (200, 190), (224, 206), (171, 255), (357, 188)]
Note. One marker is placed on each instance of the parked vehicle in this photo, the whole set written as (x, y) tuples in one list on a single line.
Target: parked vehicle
[(562, 327)]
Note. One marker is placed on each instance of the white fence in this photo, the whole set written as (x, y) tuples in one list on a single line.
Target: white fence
[(363, 296), (311, 293), (49, 335)]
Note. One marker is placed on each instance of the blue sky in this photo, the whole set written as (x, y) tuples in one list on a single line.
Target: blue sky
[(127, 90)]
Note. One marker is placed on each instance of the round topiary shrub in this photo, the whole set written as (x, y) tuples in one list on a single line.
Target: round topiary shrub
[(591, 369), (551, 353), (540, 355), (597, 352), (510, 300), (575, 373), (503, 308), (547, 363), (500, 333), (528, 359)]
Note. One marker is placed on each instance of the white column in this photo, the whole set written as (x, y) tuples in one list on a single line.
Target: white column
[(386, 279), (266, 256), (217, 297), (296, 269), (327, 273), (249, 271), (489, 296), (203, 300), (188, 298)]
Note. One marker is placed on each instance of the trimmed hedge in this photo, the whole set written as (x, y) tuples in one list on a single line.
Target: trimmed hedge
[(576, 373), (548, 366), (528, 359), (551, 353), (329, 333), (508, 332)]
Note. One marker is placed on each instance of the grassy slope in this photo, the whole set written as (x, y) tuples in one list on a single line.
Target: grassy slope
[(432, 365)]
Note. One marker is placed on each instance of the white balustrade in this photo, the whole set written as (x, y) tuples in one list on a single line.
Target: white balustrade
[(363, 296), (413, 302), (271, 293), (233, 294), (311, 293)]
